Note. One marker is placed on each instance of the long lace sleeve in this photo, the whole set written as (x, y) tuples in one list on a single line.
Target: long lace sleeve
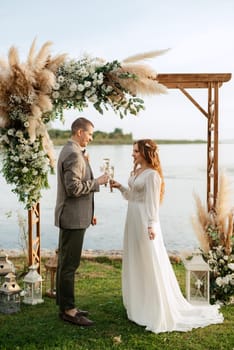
[(125, 192), (153, 185)]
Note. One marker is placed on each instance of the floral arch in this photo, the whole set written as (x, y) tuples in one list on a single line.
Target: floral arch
[(35, 92)]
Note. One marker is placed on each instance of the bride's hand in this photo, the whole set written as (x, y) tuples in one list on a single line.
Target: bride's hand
[(152, 235), (114, 184)]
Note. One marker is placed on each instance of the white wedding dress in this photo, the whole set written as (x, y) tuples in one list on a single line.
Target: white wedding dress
[(151, 293)]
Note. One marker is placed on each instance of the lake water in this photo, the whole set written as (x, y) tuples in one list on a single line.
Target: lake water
[(184, 170)]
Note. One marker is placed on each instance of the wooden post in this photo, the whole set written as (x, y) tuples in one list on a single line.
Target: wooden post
[(34, 244), (212, 146)]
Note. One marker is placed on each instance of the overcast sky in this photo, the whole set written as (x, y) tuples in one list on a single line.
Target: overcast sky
[(200, 34)]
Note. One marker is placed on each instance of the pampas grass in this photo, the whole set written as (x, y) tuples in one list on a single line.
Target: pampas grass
[(215, 228), (144, 56), (31, 82), (199, 223), (143, 80), (28, 86)]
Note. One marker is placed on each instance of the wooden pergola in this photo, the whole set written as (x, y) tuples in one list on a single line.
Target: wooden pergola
[(211, 82)]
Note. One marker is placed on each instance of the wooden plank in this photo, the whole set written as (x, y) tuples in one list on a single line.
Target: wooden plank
[(192, 81)]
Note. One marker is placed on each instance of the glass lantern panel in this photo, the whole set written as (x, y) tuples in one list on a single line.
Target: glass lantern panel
[(37, 290), (9, 303), (199, 286), (28, 291)]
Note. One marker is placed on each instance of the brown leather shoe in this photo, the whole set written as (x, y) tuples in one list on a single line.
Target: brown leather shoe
[(81, 312), (78, 319)]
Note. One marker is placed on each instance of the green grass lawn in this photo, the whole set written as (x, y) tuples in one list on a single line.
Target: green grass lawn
[(98, 289)]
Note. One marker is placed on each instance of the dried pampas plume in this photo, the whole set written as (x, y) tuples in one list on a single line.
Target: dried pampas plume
[(224, 196), (218, 221), (30, 83), (144, 56), (200, 223), (143, 79), (144, 82)]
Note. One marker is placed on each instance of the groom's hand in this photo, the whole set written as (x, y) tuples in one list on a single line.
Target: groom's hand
[(94, 221), (103, 179)]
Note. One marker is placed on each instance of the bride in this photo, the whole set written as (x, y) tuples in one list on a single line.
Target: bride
[(151, 293)]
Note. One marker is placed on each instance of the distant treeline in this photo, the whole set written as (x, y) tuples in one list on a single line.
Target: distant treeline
[(59, 137), (99, 137)]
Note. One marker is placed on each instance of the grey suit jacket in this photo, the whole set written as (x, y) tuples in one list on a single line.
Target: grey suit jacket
[(75, 189)]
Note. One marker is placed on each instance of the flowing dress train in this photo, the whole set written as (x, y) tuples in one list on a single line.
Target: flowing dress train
[(151, 293)]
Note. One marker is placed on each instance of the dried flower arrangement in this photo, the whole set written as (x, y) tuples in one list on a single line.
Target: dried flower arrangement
[(215, 233), (37, 91)]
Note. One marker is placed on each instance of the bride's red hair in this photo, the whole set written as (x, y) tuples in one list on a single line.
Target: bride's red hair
[(149, 150)]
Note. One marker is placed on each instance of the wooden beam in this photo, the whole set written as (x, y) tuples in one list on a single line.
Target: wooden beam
[(192, 81), (196, 104)]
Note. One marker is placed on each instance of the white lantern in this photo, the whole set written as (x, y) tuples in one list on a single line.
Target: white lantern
[(197, 279), (33, 287), (10, 295), (6, 266)]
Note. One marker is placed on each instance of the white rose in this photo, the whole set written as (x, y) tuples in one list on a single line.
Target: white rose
[(11, 132), (56, 86), (78, 96), (92, 70), (88, 93), (80, 87), (100, 76), (93, 98), (61, 79), (82, 72), (232, 279), (87, 83), (24, 170), (19, 134), (108, 89), (226, 279), (219, 281), (73, 87), (5, 139), (55, 94)]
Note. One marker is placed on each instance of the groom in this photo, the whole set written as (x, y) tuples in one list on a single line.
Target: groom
[(74, 212)]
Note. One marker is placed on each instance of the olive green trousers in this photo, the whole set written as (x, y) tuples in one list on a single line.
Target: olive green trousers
[(69, 255)]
